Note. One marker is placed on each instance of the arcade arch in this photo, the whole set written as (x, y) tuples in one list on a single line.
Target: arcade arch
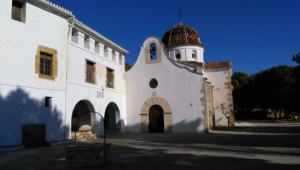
[(112, 120), (86, 119)]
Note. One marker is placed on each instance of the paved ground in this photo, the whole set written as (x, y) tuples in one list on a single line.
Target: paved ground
[(250, 145)]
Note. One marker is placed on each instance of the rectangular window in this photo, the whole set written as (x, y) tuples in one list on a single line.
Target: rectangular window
[(110, 78), (17, 10), (48, 101), (90, 72), (46, 64)]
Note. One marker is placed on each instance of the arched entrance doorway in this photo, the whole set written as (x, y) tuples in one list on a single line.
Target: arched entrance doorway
[(112, 121), (156, 119), (157, 111), (86, 120)]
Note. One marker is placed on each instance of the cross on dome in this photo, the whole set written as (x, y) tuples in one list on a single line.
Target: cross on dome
[(180, 23)]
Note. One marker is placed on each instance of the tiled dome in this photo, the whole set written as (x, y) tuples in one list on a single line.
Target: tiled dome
[(181, 35)]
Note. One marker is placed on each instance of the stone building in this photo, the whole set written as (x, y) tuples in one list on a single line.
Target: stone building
[(54, 68)]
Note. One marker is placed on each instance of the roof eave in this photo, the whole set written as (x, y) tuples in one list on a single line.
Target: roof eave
[(99, 36)]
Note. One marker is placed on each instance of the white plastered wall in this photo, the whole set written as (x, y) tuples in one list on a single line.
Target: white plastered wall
[(78, 89), (178, 86), (22, 92), (186, 53), (221, 94)]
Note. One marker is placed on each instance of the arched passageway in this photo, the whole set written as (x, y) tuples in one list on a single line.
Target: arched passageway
[(156, 119), (112, 121), (86, 119)]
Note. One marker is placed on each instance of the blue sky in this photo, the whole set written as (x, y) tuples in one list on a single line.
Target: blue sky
[(253, 34)]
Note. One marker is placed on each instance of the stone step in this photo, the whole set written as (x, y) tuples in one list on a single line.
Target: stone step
[(83, 136), (77, 136), (85, 139), (81, 140), (82, 132), (88, 132)]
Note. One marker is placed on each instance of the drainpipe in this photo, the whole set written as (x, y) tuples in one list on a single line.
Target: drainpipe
[(71, 25)]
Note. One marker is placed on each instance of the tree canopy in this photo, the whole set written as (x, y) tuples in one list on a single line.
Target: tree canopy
[(127, 66), (296, 58), (275, 88)]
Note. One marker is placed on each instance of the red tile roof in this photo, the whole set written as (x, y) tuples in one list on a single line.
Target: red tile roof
[(181, 35), (218, 65)]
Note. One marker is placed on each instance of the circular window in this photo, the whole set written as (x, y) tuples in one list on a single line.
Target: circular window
[(153, 83), (178, 56)]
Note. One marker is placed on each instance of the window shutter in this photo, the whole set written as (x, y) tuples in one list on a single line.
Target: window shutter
[(17, 11)]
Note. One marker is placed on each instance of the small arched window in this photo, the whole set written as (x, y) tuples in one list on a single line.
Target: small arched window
[(194, 54), (177, 55), (153, 52)]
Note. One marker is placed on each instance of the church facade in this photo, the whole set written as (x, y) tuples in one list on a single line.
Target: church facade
[(171, 89), (54, 70)]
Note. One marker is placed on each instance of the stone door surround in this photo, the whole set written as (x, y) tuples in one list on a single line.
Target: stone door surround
[(145, 114)]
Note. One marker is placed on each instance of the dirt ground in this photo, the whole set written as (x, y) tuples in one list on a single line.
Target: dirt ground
[(249, 145)]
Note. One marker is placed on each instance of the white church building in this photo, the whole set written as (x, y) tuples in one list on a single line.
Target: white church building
[(54, 69)]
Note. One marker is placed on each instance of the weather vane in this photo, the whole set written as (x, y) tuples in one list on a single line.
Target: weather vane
[(180, 17)]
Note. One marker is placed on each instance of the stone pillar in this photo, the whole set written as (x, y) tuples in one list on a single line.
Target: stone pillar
[(92, 44), (115, 56), (86, 42), (205, 105), (122, 62), (78, 38), (201, 56), (70, 36), (99, 48), (210, 101), (122, 59), (108, 53), (212, 107)]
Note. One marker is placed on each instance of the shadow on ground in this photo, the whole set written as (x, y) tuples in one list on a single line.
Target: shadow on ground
[(263, 129), (177, 151)]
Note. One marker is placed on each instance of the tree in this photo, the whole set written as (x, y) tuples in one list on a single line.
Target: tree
[(127, 66), (296, 58), (242, 91), (273, 87), (277, 88), (296, 94), (226, 115), (239, 79)]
